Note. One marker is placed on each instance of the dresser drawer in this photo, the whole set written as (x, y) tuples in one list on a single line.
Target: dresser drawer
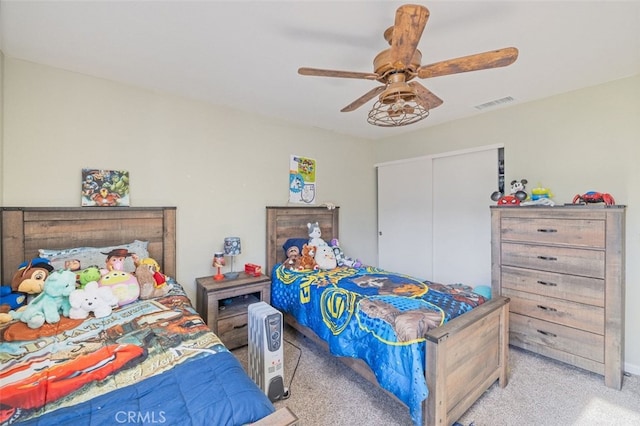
[(233, 330), (574, 232), (587, 263), (526, 331), (576, 315), (551, 284)]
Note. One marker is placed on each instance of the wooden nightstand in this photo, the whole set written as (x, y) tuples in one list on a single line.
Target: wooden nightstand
[(223, 304)]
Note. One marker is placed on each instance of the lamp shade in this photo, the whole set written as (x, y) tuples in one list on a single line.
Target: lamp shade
[(218, 260), (232, 246)]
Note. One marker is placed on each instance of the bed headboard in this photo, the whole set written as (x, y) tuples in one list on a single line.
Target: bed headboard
[(291, 222), (24, 230)]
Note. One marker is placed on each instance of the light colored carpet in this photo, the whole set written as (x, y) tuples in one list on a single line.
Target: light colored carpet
[(541, 392)]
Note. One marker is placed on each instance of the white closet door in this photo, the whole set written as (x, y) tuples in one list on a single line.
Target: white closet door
[(462, 222), (404, 217)]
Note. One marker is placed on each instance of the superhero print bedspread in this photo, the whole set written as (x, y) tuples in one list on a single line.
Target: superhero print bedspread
[(152, 361), (377, 316)]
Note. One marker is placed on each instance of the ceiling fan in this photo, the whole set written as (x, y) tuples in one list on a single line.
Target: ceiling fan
[(400, 100)]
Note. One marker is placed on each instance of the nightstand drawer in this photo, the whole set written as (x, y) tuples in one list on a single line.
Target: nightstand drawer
[(233, 330), (527, 332), (574, 232), (552, 284), (577, 315), (587, 263)]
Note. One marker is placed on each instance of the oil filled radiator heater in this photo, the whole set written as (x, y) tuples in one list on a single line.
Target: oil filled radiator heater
[(266, 356)]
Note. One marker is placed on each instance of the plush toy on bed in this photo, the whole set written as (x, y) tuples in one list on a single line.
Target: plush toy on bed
[(123, 285), (91, 299), (85, 276), (27, 281), (325, 259), (292, 262), (314, 235), (307, 259), (52, 302), (152, 282), (341, 258)]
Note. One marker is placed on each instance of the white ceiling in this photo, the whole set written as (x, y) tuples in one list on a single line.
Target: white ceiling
[(245, 54)]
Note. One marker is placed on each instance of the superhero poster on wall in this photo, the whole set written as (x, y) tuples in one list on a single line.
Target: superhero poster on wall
[(302, 180), (105, 188)]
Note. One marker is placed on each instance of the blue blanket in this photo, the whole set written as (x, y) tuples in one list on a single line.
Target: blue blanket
[(212, 390), (374, 315)]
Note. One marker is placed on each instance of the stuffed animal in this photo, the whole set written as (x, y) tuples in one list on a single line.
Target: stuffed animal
[(314, 235), (325, 259), (31, 275), (52, 302), (341, 258), (115, 259), (518, 185), (85, 276), (91, 298), (28, 280), (292, 261), (152, 283), (123, 285), (307, 259)]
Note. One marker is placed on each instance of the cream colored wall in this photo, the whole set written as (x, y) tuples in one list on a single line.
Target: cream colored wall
[(571, 143), (219, 167)]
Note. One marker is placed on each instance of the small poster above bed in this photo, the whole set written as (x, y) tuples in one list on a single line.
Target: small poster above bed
[(105, 188), (302, 180)]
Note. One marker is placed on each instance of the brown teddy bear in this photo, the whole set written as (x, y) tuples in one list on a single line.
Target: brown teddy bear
[(307, 260)]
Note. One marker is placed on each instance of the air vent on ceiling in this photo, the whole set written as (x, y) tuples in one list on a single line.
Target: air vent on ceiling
[(495, 103)]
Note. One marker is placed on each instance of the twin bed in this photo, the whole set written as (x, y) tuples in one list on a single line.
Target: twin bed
[(155, 361), (151, 361), (340, 310)]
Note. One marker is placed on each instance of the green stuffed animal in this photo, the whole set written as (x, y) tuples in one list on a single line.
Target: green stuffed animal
[(92, 273)]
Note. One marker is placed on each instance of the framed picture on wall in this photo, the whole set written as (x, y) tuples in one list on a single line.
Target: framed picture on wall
[(105, 188)]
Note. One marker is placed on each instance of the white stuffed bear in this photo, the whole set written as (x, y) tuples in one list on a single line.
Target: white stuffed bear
[(92, 298)]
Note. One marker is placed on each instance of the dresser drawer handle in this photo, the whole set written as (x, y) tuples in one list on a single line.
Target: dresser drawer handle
[(548, 309), (237, 327), (547, 283), (547, 230), (546, 333), (547, 258)]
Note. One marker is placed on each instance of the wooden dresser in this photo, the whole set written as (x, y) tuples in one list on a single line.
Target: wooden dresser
[(563, 268)]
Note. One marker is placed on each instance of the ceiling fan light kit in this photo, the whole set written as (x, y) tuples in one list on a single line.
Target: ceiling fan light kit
[(402, 101)]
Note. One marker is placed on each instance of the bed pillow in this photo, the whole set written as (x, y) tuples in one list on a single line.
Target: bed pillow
[(297, 242), (88, 256)]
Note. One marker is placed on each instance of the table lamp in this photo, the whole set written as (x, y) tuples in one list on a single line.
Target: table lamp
[(232, 248), (218, 262)]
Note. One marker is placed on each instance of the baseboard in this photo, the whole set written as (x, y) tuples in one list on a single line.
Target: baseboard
[(632, 369)]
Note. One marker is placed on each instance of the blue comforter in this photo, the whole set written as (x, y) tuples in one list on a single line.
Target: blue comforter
[(374, 315), (212, 390)]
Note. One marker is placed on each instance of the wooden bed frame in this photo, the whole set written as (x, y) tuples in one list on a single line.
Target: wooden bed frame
[(463, 357), (24, 230)]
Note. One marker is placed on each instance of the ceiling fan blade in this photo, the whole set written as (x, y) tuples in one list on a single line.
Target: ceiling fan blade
[(479, 61), (426, 98), (340, 74), (407, 30), (363, 99)]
